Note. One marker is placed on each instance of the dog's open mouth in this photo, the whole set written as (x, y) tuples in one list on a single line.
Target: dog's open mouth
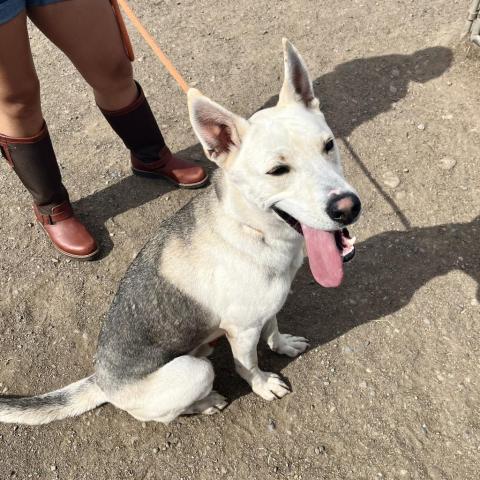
[(327, 251)]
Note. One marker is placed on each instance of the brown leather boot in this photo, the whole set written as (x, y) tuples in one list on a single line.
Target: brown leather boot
[(137, 127), (34, 161)]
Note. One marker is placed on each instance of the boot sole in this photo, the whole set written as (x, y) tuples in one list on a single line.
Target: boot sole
[(191, 186), (85, 258)]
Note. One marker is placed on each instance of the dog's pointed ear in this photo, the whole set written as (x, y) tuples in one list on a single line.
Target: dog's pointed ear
[(297, 86), (218, 130)]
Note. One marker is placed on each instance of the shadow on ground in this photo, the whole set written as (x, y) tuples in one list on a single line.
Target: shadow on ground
[(129, 193), (359, 90), (388, 269)]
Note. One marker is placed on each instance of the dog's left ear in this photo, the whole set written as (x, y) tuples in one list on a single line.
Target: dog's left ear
[(297, 86), (218, 130)]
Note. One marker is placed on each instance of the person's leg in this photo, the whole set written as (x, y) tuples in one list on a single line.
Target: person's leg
[(20, 111), (86, 30), (26, 145)]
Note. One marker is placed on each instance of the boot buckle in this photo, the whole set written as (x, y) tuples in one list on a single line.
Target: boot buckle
[(57, 214)]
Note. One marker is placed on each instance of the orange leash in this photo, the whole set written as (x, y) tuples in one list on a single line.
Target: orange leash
[(153, 45), (127, 44)]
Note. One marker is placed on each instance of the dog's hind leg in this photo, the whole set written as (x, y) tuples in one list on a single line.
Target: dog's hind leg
[(283, 343), (212, 403), (182, 386)]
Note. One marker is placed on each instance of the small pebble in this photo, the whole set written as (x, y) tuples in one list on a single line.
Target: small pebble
[(395, 72), (363, 384), (393, 89), (53, 468), (421, 126), (271, 425), (391, 180), (447, 163), (435, 473), (156, 450)]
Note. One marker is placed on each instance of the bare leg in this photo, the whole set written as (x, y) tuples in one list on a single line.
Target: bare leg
[(283, 343), (87, 32), (20, 110)]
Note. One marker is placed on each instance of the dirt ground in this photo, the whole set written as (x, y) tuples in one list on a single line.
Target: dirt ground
[(390, 387)]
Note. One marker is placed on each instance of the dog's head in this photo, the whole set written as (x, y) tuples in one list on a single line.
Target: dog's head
[(285, 160)]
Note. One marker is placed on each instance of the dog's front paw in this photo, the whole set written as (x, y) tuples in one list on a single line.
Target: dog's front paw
[(269, 386), (286, 344)]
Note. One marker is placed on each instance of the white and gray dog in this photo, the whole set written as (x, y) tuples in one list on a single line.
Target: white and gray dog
[(222, 265)]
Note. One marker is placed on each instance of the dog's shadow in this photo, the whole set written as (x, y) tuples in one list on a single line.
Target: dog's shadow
[(386, 272), (358, 90), (388, 269)]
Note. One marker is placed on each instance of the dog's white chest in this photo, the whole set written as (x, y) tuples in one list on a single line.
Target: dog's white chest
[(249, 292)]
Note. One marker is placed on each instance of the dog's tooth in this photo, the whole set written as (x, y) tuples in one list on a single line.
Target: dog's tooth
[(349, 242)]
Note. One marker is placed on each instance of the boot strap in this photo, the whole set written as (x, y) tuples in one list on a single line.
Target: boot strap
[(156, 164), (6, 153), (57, 214)]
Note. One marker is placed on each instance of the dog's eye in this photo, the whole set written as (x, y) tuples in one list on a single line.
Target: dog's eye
[(279, 170), (329, 145)]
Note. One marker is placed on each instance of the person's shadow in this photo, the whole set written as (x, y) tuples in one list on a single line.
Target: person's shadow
[(388, 269)]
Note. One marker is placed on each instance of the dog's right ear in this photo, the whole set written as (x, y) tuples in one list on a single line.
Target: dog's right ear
[(218, 130)]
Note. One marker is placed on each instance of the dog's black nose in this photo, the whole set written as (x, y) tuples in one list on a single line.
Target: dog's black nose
[(344, 208)]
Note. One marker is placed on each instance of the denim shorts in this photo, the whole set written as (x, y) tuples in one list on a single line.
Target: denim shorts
[(11, 8)]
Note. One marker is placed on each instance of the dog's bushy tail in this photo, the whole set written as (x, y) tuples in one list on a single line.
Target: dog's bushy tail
[(77, 398)]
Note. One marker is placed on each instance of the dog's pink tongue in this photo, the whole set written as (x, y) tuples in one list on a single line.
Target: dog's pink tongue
[(325, 260)]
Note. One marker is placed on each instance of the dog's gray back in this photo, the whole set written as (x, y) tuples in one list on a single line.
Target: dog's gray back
[(151, 321)]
